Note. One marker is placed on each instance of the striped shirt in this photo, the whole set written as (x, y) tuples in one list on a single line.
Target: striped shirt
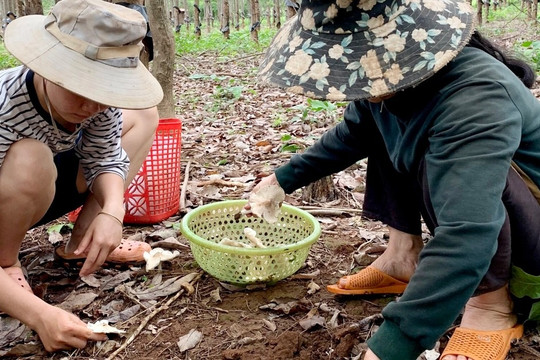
[(96, 142)]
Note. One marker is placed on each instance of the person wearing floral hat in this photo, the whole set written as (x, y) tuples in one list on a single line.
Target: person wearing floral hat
[(452, 136), (77, 120)]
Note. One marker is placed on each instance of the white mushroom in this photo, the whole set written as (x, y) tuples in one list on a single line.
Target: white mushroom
[(156, 256), (266, 202), (229, 242), (103, 327), (251, 235)]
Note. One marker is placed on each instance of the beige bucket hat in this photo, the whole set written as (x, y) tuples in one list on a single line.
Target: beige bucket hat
[(359, 49), (89, 47)]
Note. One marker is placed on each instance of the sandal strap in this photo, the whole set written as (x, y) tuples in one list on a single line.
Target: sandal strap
[(482, 345)]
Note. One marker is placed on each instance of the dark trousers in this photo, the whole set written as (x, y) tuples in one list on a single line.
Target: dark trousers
[(401, 200), (66, 197)]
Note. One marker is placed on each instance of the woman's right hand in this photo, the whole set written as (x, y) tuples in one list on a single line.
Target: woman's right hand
[(59, 329)]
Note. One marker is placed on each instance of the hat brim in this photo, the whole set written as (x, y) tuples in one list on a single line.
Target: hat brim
[(128, 88), (370, 63)]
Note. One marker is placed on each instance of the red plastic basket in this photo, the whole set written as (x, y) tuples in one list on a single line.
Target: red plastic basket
[(154, 193)]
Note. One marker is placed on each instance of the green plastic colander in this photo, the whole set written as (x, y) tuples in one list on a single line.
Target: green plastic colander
[(287, 242)]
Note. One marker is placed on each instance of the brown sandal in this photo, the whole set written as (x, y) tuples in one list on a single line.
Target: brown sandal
[(129, 252), (368, 281)]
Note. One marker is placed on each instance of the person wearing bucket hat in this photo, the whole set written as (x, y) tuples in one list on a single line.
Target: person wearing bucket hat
[(452, 136), (77, 120)]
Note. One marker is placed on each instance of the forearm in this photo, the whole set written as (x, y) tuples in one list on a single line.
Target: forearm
[(20, 303), (108, 190), (337, 149)]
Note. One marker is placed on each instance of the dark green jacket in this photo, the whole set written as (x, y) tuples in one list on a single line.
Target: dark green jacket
[(467, 122)]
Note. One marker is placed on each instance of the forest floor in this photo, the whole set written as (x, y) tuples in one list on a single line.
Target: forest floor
[(233, 132)]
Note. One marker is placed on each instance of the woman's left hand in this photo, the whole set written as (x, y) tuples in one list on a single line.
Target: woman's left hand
[(102, 237)]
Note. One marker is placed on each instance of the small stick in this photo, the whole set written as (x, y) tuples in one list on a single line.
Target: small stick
[(147, 319), (220, 182), (184, 187)]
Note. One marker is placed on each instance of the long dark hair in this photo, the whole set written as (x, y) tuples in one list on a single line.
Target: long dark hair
[(519, 67)]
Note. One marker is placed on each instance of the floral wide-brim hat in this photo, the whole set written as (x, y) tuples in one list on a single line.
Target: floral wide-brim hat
[(359, 49)]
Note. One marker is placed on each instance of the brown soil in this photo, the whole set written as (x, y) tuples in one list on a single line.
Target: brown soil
[(235, 139)]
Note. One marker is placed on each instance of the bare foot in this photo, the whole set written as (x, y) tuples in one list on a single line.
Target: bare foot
[(400, 258), (490, 311)]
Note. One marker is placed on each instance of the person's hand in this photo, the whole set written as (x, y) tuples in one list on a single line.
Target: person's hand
[(370, 355), (266, 181), (102, 236), (59, 329)]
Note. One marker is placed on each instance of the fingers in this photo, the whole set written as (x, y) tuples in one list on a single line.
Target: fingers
[(60, 330), (95, 258), (83, 244), (102, 237)]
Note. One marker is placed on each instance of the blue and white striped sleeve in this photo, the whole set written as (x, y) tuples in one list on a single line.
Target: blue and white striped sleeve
[(100, 149)]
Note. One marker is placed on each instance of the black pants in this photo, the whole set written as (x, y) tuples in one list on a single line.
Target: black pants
[(401, 200), (66, 197)]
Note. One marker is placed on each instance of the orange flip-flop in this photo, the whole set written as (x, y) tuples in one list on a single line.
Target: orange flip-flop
[(16, 273), (129, 252), (482, 345), (368, 281)]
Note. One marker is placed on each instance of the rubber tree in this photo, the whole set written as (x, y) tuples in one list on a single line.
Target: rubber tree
[(164, 53)]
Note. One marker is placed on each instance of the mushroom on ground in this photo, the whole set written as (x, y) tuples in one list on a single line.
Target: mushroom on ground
[(156, 256)]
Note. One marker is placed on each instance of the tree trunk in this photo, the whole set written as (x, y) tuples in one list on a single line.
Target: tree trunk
[(322, 190), (208, 15), (277, 14), (238, 10), (20, 8), (479, 12), (187, 19), (33, 7), (225, 29), (197, 18), (255, 20), (164, 51)]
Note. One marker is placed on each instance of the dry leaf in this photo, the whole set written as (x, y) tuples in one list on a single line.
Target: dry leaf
[(91, 280), (55, 237), (270, 325), (189, 341), (76, 302), (313, 287), (214, 295), (311, 322)]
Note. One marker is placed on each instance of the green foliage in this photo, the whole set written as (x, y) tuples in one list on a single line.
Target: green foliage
[(6, 60), (523, 284), (315, 106), (530, 51), (58, 227), (288, 144), (239, 42), (228, 93)]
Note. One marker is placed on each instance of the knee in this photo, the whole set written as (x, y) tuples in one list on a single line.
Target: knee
[(29, 167), (143, 121)]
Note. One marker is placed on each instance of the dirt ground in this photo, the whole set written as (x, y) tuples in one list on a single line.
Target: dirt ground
[(233, 132)]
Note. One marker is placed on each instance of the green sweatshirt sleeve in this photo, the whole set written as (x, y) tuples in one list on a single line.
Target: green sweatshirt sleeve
[(475, 133), (336, 150)]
